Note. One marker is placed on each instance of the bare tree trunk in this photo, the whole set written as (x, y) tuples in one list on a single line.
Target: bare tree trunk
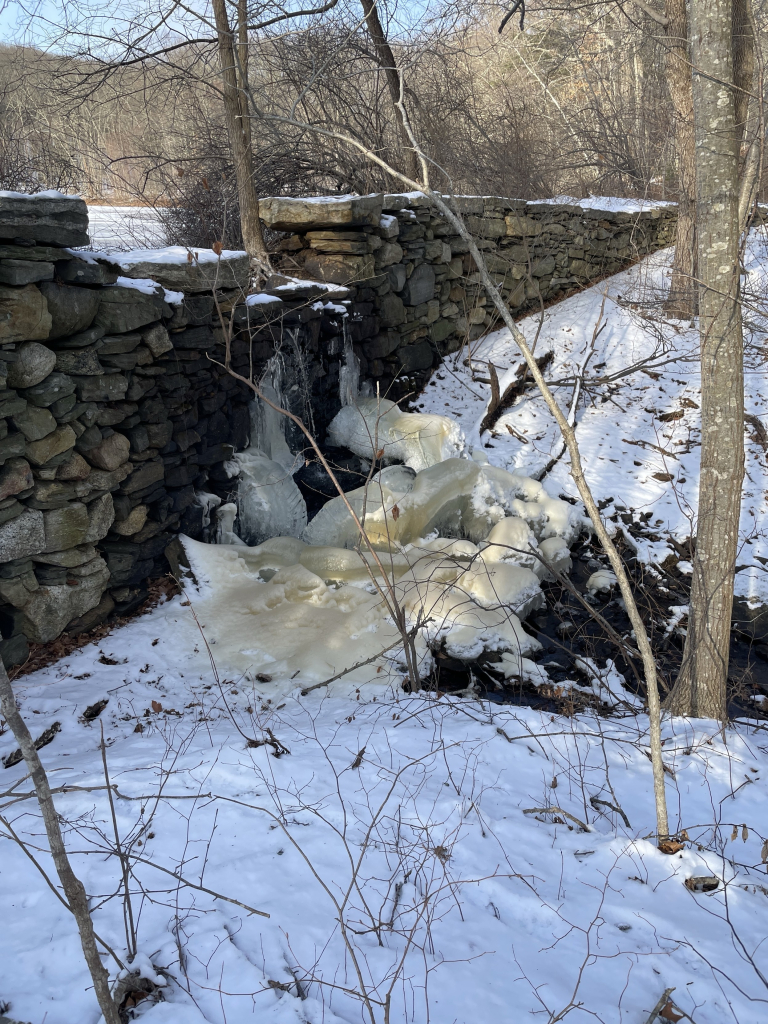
[(700, 689), (682, 299), (238, 130), (386, 60), (743, 65), (70, 883)]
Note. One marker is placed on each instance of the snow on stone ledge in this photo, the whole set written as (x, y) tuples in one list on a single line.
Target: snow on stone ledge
[(50, 193), (178, 255), (188, 270), (611, 204)]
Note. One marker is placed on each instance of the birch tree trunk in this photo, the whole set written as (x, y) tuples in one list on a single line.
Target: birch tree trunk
[(238, 131), (682, 300), (700, 689)]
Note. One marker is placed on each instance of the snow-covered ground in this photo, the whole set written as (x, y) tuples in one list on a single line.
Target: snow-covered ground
[(122, 228), (393, 845), (635, 458), (421, 858)]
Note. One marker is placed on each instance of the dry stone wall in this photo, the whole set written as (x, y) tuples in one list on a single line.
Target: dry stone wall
[(415, 292), (117, 420)]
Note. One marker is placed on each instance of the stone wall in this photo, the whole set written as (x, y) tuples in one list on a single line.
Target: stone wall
[(117, 422), (415, 292)]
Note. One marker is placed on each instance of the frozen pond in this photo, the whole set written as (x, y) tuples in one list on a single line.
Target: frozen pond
[(121, 228)]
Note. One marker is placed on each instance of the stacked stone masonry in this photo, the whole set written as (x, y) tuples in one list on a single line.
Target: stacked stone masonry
[(416, 294), (117, 417)]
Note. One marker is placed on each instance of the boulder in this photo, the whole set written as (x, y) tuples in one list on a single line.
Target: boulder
[(33, 365), (78, 271), (388, 254), (35, 423), (133, 523), (15, 477), (173, 269), (11, 446), (543, 266), (391, 311), (81, 340), (65, 527), (94, 617), (24, 314), (11, 404), (75, 468), (420, 286), (112, 452), (22, 536), (72, 309), (57, 442), (157, 340), (145, 474), (415, 357), (55, 387), (49, 609), (21, 272), (397, 277), (382, 345), (118, 344), (300, 215), (101, 515), (47, 218)]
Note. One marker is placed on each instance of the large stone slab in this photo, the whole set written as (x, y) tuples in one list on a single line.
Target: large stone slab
[(47, 218), (195, 270), (22, 536), (49, 609), (299, 215), (340, 269), (21, 272), (24, 314), (123, 309), (55, 443)]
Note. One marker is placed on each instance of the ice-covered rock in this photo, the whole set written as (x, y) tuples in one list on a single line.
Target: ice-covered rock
[(458, 498), (419, 440), (601, 582)]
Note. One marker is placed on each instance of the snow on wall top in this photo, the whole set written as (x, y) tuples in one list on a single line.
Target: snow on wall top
[(50, 193), (174, 254), (611, 204)]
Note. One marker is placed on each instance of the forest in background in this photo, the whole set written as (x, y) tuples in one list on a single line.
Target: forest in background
[(577, 103)]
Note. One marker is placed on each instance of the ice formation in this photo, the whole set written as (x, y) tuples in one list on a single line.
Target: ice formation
[(374, 425), (601, 582), (269, 504), (459, 545)]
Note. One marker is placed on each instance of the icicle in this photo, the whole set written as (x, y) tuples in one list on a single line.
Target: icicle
[(267, 424)]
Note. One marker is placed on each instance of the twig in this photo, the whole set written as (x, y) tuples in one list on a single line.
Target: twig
[(663, 1000), (558, 810)]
